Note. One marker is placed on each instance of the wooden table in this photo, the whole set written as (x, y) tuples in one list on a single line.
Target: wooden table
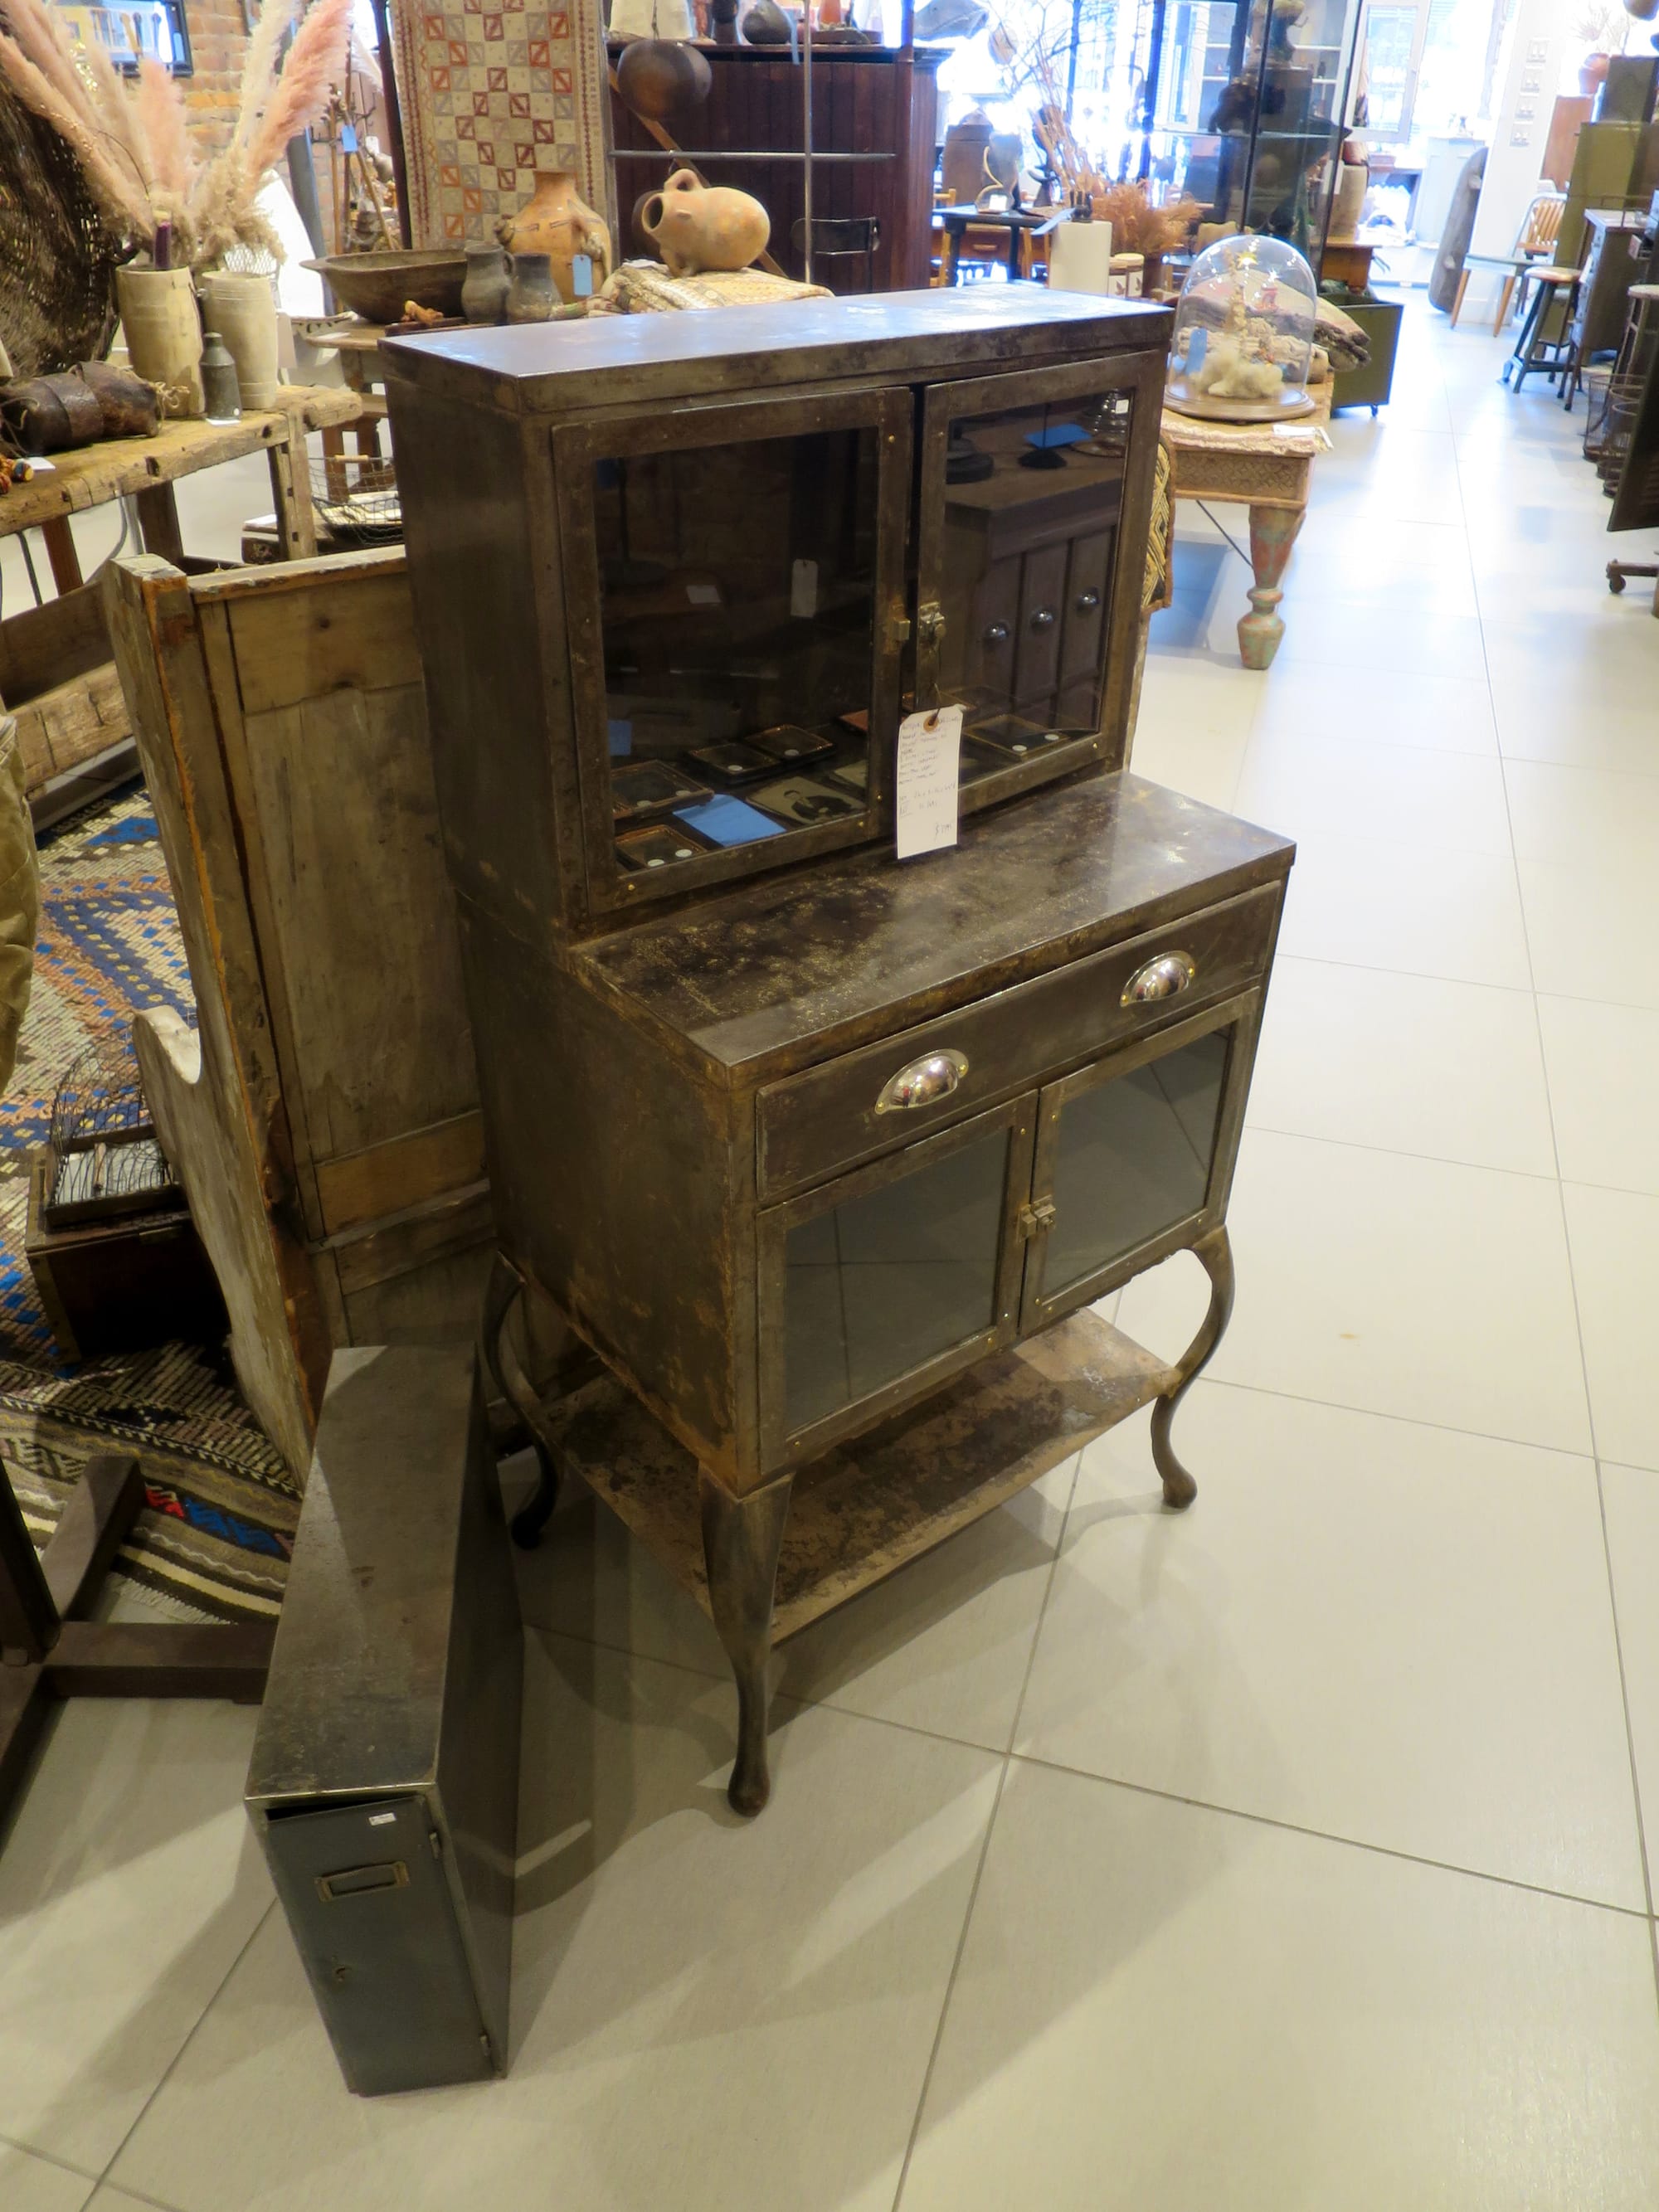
[(1268, 468), (55, 672), (1019, 222)]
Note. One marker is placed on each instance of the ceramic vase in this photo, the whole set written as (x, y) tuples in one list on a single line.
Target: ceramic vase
[(662, 76), (531, 297), (489, 280), (697, 227), (164, 333), (554, 221), (243, 310)]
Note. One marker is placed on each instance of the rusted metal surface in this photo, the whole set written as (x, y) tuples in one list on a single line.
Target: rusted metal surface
[(864, 1507), (795, 968), (681, 1109)]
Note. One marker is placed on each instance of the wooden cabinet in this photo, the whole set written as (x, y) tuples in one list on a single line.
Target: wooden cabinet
[(799, 1136), (875, 112)]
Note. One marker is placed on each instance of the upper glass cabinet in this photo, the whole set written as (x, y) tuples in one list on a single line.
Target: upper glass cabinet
[(736, 624), (1025, 480)]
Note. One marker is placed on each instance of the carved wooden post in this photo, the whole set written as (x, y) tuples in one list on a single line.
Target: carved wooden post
[(1272, 533)]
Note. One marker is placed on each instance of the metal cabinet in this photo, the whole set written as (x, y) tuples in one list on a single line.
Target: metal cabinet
[(798, 1136)]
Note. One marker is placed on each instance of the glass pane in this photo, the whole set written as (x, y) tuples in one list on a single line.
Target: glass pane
[(738, 601), (1032, 498), (877, 1286), (1133, 1158)]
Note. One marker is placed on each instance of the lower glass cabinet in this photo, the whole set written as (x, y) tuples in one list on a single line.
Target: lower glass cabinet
[(882, 1283)]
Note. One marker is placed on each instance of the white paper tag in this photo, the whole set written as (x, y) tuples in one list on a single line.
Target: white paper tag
[(928, 766), (804, 590), (703, 595)]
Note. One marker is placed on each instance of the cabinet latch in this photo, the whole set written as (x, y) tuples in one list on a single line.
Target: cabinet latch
[(930, 622), (899, 626), (1034, 1221)]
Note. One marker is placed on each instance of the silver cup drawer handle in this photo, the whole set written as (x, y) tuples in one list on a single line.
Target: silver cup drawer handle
[(1172, 972), (933, 1076)]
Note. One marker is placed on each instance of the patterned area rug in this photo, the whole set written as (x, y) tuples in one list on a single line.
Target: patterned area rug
[(219, 1524)]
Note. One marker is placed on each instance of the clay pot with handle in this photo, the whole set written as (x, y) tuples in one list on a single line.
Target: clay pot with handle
[(697, 226), (555, 220)]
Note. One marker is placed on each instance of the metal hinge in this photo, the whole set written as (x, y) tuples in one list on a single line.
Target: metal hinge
[(898, 627), (1034, 1221)]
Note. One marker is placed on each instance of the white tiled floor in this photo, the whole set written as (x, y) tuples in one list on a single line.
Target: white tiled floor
[(1287, 1854)]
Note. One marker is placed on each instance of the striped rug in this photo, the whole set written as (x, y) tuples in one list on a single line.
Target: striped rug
[(219, 1524)]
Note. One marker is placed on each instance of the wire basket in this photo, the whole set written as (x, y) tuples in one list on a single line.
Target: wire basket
[(103, 1155), (1624, 404), (1598, 383), (356, 496)]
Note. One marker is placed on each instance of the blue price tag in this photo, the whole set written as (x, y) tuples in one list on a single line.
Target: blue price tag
[(348, 138), (581, 275)]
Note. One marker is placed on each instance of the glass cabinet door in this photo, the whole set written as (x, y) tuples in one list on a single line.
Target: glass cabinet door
[(1127, 1152), (890, 1278), (1029, 487), (735, 613)]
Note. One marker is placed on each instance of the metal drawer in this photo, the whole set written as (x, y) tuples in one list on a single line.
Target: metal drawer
[(830, 1118)]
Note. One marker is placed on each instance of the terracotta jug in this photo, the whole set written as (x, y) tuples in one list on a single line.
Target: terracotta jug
[(554, 221), (697, 227)]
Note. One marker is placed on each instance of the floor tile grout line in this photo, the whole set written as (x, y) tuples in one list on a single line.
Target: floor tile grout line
[(50, 2158), (1504, 765), (1330, 1836), (107, 2175), (985, 1847), (1212, 1381)]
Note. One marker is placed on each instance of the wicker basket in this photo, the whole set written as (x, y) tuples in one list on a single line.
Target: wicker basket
[(56, 259)]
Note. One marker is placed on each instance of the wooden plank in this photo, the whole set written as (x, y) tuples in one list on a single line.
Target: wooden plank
[(115, 466), (217, 1092), (132, 1659), (437, 1302), (46, 645), (291, 489), (402, 1172), (291, 645), (361, 920), (158, 522), (61, 554), (65, 794), (101, 1508), (864, 1510), (266, 586), (397, 1246), (71, 723)]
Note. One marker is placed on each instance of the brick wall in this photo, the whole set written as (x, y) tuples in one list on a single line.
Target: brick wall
[(217, 44)]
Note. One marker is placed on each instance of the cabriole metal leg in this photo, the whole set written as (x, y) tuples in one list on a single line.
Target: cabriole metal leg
[(741, 1540), (1215, 1254), (504, 1288)]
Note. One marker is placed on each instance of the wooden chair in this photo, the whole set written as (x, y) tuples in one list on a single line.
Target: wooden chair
[(324, 1116), (1535, 244)]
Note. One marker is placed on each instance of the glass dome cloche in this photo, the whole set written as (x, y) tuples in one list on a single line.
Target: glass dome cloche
[(1244, 333)]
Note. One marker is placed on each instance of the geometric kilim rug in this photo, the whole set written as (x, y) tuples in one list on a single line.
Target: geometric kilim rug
[(218, 1525)]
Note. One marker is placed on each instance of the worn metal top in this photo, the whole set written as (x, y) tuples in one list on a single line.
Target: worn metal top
[(561, 367), (355, 1700), (795, 968)]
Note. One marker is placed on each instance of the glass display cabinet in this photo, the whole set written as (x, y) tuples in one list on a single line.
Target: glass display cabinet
[(1247, 109), (826, 1155)]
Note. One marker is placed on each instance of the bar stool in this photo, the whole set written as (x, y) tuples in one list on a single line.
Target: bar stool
[(1533, 350)]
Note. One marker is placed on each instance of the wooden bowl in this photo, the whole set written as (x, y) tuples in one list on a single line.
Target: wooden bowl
[(376, 285)]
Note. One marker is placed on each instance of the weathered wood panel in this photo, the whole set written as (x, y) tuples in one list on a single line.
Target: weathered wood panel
[(359, 919)]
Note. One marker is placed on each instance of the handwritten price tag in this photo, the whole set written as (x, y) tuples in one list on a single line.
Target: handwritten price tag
[(929, 750)]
